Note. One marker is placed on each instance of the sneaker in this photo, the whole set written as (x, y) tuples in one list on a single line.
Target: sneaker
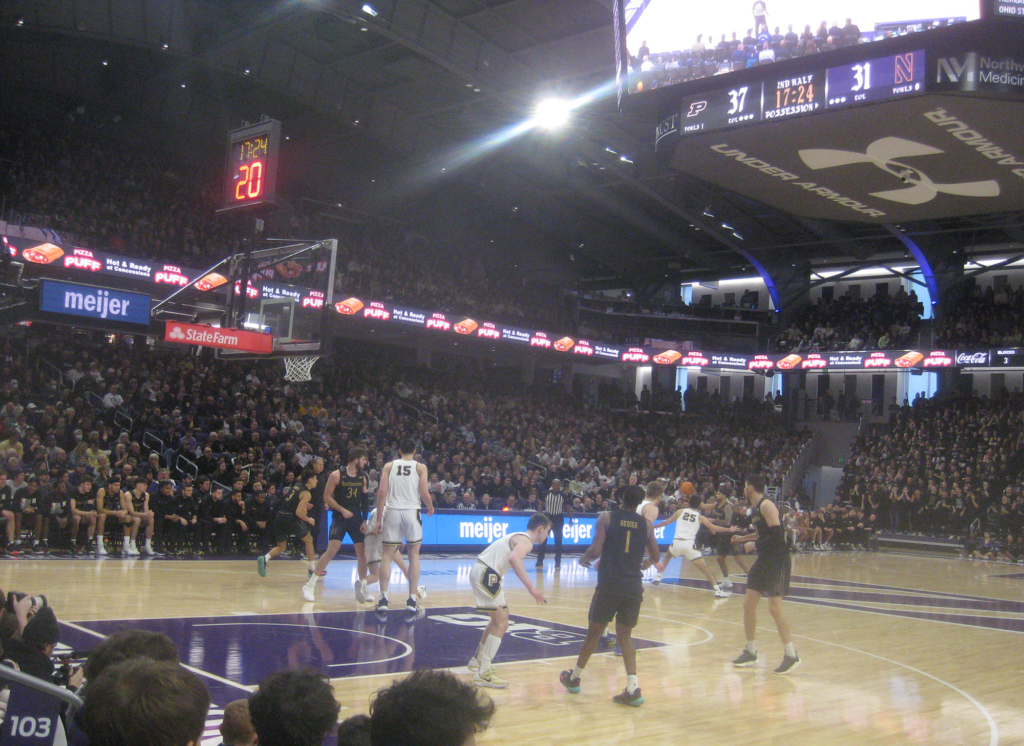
[(421, 591), (474, 664), (100, 549), (787, 665), (746, 659), (360, 591), (382, 604), (625, 698), (720, 592), (410, 605), (539, 566), (309, 589), (726, 583), (133, 551), (261, 566), (656, 579), (489, 679), (618, 648), (572, 685)]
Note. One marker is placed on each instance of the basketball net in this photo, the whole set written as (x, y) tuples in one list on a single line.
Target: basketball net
[(298, 368)]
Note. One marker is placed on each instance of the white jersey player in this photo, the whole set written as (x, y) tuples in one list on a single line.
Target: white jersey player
[(688, 522), (649, 508), (504, 554), (403, 484)]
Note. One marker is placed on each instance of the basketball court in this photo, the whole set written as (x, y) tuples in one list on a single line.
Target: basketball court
[(896, 648)]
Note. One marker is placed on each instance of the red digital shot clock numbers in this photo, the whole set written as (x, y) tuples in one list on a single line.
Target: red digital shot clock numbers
[(251, 171)]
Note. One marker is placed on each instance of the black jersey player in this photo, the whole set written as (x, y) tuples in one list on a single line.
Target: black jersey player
[(621, 539)]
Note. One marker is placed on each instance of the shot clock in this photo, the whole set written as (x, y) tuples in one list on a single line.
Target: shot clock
[(250, 179)]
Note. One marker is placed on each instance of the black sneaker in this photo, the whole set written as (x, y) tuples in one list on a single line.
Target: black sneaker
[(382, 604), (571, 684), (788, 664), (625, 698), (746, 659), (411, 606)]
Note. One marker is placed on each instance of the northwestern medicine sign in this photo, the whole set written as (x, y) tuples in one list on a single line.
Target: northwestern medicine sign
[(91, 302)]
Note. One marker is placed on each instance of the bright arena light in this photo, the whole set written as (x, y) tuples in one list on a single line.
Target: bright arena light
[(552, 113)]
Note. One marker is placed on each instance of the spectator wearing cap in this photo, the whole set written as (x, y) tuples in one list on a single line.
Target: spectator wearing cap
[(33, 651)]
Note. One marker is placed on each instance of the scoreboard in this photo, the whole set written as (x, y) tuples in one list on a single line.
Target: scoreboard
[(250, 179), (784, 96)]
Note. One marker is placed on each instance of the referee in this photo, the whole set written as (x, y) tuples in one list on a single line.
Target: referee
[(558, 507)]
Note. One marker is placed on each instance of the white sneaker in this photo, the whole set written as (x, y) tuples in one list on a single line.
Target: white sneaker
[(147, 548), (133, 551), (421, 591), (721, 593), (489, 679), (309, 589), (726, 584), (100, 549), (656, 579), (360, 588)]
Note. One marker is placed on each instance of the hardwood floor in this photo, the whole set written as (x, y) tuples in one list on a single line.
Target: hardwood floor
[(895, 649)]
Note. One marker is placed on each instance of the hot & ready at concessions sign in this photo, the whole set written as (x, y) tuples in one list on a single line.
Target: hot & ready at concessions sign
[(213, 336)]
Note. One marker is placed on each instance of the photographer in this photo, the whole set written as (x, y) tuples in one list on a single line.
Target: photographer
[(33, 652)]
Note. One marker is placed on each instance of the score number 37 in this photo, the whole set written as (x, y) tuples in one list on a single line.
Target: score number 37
[(738, 99)]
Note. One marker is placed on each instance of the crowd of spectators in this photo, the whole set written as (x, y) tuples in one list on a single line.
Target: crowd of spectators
[(944, 467), (880, 322), (133, 690), (224, 440), (986, 318)]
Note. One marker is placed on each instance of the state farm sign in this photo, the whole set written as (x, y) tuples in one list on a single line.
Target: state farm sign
[(225, 339)]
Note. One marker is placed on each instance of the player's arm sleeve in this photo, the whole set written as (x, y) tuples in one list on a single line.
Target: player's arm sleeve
[(652, 542)]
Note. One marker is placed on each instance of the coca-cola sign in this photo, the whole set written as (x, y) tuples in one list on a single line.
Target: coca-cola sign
[(977, 357)]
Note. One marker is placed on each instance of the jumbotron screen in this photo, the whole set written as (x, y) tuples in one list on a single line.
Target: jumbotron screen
[(672, 41)]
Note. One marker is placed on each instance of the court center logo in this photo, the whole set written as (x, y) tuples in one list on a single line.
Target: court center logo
[(887, 154)]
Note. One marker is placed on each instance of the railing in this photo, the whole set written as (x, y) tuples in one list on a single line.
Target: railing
[(416, 409), (33, 708), (539, 467), (798, 468), (148, 438), (372, 389), (94, 400), (191, 464), (120, 418)]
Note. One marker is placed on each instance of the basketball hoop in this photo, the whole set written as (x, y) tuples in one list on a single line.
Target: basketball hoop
[(297, 368)]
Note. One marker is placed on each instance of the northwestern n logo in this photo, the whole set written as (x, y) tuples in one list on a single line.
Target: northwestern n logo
[(883, 154)]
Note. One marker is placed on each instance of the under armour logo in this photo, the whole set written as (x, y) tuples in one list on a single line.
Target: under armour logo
[(176, 333), (883, 153)]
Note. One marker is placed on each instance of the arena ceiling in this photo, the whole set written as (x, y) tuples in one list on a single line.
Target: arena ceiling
[(401, 115)]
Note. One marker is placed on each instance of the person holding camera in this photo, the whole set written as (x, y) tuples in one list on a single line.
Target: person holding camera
[(34, 651)]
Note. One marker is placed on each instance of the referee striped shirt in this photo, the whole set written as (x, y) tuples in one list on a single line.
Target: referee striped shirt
[(554, 502)]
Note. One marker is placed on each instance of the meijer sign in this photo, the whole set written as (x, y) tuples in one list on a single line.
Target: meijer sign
[(94, 303)]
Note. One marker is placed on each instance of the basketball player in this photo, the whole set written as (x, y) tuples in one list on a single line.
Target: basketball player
[(136, 505), (293, 520), (83, 510), (403, 484), (620, 540), (485, 579), (108, 507), (769, 575), (723, 514), (653, 493), (689, 520), (345, 496), (7, 506), (371, 546)]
